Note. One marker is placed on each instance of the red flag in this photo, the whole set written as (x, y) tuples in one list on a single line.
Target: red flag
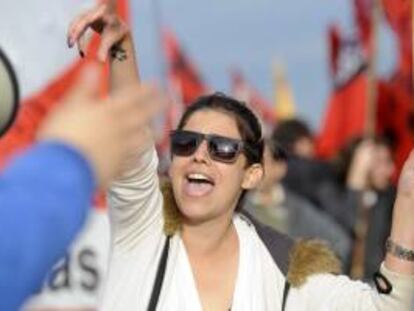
[(34, 109), (344, 117), (345, 113), (182, 73), (245, 92), (401, 121), (363, 19), (334, 41), (398, 14)]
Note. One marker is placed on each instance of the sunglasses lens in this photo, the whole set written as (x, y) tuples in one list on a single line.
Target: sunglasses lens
[(183, 143), (223, 149)]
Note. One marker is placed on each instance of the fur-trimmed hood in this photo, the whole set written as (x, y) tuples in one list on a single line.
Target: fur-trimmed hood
[(310, 257)]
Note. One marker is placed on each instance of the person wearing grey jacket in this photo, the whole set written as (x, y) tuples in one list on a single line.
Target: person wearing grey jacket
[(288, 212)]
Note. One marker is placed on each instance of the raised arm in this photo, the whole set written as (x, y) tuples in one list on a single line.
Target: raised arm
[(134, 199), (116, 44), (400, 255)]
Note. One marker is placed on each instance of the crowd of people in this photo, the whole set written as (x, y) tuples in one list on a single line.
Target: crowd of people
[(241, 222), (354, 191)]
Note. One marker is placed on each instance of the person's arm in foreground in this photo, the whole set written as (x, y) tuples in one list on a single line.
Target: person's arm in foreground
[(46, 192), (402, 229), (44, 197)]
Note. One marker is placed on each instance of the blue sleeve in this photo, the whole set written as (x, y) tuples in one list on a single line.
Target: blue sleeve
[(45, 195)]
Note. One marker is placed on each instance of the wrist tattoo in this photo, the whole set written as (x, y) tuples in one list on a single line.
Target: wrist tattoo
[(399, 251), (118, 52)]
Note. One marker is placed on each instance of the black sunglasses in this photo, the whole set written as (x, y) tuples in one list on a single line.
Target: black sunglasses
[(220, 148)]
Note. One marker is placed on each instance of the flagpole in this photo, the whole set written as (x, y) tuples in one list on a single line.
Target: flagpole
[(371, 104), (364, 206)]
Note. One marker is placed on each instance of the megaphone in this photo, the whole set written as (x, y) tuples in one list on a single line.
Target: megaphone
[(9, 94)]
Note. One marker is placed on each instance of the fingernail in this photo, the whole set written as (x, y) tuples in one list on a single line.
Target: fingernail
[(69, 42), (81, 53)]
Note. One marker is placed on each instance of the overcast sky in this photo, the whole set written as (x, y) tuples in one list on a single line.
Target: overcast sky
[(219, 34)]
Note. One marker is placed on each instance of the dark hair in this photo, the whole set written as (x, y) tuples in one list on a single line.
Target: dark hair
[(247, 123), (288, 132), (276, 151)]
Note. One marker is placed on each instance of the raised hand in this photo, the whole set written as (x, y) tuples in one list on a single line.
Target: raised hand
[(361, 165), (105, 132), (104, 20)]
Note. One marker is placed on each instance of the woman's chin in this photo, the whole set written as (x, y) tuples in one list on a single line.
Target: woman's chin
[(194, 213)]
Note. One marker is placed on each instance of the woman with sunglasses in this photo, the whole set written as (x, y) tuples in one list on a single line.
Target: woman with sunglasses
[(188, 247)]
